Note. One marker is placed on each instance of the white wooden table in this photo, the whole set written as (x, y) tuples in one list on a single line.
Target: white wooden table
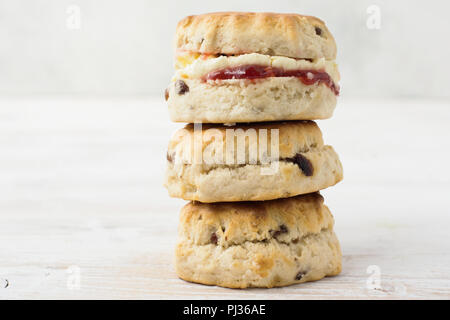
[(83, 213)]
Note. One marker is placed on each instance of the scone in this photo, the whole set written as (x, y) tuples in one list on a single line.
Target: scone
[(257, 244), (252, 67), (249, 162)]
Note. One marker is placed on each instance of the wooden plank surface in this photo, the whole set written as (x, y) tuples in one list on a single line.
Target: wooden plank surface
[(83, 213)]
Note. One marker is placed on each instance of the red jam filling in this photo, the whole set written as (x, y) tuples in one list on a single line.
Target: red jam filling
[(252, 71)]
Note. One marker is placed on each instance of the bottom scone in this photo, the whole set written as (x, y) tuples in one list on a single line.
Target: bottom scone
[(257, 244)]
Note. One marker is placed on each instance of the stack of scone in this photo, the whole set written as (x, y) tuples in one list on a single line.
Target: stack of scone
[(251, 160)]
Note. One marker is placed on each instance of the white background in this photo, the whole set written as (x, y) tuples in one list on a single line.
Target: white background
[(125, 47)]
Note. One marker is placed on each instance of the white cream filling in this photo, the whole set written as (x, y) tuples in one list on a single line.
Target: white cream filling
[(196, 66)]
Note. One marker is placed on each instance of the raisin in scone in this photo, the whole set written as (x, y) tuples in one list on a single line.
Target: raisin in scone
[(252, 67), (249, 162), (257, 244)]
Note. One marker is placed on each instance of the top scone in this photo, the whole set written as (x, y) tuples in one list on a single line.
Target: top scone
[(288, 35), (251, 67)]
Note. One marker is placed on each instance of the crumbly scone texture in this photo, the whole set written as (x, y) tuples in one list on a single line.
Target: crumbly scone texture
[(253, 182), (198, 166), (290, 35), (270, 99), (257, 244)]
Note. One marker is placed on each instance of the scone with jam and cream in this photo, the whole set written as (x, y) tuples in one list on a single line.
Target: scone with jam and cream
[(252, 67)]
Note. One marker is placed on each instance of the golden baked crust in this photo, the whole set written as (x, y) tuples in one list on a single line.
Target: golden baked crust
[(236, 222), (293, 137), (290, 35), (258, 244)]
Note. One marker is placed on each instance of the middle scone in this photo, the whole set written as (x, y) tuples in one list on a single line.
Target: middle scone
[(249, 162)]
